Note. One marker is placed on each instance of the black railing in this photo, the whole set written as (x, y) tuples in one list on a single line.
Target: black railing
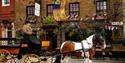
[(11, 42)]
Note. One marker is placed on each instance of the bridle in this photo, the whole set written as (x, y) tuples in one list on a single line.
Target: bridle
[(97, 40)]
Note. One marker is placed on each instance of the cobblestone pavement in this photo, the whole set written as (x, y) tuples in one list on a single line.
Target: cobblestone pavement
[(73, 61), (95, 61)]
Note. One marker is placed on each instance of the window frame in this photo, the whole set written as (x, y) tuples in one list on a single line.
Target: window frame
[(102, 5), (5, 2), (51, 10), (74, 11), (30, 11)]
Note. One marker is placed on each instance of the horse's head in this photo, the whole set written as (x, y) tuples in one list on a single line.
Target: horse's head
[(99, 40)]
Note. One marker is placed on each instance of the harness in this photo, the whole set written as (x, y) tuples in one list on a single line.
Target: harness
[(89, 44)]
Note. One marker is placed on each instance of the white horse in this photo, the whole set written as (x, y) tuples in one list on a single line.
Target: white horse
[(88, 46)]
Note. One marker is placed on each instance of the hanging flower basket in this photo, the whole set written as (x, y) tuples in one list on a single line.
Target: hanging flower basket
[(48, 20)]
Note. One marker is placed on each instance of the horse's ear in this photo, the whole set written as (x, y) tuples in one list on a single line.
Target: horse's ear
[(97, 35), (94, 37)]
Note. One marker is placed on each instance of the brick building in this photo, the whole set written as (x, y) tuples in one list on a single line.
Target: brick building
[(7, 17), (24, 8), (101, 10), (7, 9)]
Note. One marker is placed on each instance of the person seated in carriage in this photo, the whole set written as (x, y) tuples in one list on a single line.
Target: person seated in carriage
[(30, 35), (30, 38)]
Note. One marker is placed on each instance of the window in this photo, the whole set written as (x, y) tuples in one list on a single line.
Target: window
[(50, 10), (124, 5), (8, 31), (101, 6), (74, 9), (5, 2), (30, 10)]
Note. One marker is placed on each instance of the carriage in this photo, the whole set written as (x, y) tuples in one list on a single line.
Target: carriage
[(11, 52)]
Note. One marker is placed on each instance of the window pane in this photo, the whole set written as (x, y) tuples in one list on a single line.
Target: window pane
[(71, 9), (101, 3), (71, 5), (101, 7), (98, 8), (51, 8), (6, 1), (77, 5), (97, 3), (105, 7), (104, 3), (77, 9), (48, 10)]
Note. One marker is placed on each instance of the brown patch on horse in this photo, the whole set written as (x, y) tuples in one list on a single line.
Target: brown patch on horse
[(92, 52), (77, 54), (68, 47)]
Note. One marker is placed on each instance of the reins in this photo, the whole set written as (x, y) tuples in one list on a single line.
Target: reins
[(83, 48)]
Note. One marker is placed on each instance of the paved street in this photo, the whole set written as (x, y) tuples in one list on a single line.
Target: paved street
[(95, 61), (74, 61), (81, 61)]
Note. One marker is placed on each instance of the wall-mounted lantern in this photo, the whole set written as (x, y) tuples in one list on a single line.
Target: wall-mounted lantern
[(116, 8)]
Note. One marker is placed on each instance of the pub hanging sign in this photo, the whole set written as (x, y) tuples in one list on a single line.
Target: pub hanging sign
[(117, 23)]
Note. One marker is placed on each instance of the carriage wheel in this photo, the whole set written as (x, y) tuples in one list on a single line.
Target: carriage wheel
[(3, 55), (30, 58)]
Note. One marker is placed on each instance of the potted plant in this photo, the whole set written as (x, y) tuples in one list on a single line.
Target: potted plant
[(49, 22)]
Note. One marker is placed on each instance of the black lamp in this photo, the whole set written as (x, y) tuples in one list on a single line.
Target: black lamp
[(116, 5), (116, 8)]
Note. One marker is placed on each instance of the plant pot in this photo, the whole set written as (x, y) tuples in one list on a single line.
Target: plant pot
[(49, 26)]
